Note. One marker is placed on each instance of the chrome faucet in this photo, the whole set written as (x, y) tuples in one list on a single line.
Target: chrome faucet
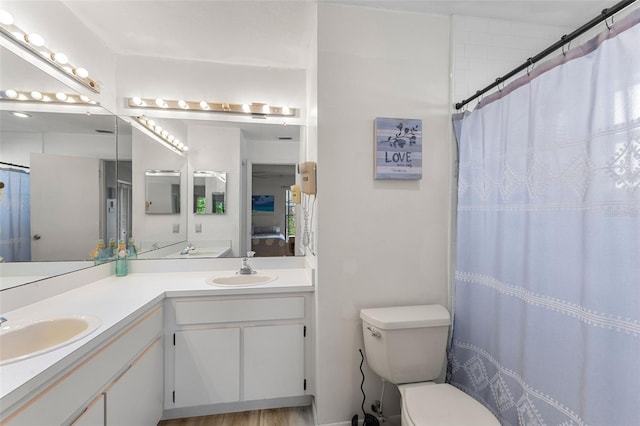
[(190, 247), (3, 320), (245, 268)]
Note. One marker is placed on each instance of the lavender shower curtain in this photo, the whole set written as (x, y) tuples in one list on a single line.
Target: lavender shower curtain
[(547, 282)]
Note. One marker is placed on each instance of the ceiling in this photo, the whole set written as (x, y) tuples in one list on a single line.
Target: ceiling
[(275, 33)]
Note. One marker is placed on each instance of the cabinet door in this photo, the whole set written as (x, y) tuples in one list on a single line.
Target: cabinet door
[(94, 414), (207, 366), (136, 397), (273, 361)]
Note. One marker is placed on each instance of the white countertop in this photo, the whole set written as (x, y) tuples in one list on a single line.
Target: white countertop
[(115, 300)]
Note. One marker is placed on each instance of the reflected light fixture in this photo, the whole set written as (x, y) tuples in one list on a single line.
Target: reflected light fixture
[(162, 135), (35, 44), (259, 110), (50, 97)]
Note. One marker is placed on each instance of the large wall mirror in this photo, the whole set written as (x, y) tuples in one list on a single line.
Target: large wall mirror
[(58, 165), (162, 191)]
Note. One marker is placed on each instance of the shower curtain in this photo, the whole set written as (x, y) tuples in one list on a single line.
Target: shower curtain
[(15, 214), (547, 282)]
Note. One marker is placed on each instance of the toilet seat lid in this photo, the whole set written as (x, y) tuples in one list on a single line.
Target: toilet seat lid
[(444, 405)]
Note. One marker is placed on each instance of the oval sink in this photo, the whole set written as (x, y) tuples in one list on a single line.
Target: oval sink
[(242, 280), (27, 338)]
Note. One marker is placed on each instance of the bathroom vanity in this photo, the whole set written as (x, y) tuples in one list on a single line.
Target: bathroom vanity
[(170, 345)]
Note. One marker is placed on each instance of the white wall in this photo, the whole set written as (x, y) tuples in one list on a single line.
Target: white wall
[(484, 49), (147, 229), (216, 149), (381, 243)]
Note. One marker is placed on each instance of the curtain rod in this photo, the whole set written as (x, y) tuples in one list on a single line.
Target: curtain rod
[(606, 13), (14, 165)]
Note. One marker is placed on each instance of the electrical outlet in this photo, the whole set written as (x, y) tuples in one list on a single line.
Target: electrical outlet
[(198, 227), (176, 228)]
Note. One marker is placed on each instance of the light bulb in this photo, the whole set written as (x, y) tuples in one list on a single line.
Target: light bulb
[(182, 104), (46, 99), (160, 102), (136, 100), (286, 110), (246, 108), (6, 18), (204, 105), (71, 100), (61, 96), (36, 95), (158, 129), (85, 98), (22, 97), (60, 58), (11, 94), (176, 142), (170, 138), (151, 123), (164, 133), (185, 148), (81, 72), (34, 39), (266, 109)]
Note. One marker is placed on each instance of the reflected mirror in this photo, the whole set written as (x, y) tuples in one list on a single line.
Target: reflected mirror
[(58, 163), (162, 191), (208, 192)]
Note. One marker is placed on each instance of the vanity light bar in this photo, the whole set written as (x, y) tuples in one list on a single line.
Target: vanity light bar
[(162, 135), (255, 109), (46, 97), (34, 43)]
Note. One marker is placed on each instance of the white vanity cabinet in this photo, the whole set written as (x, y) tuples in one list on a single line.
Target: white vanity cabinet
[(234, 349), (123, 374)]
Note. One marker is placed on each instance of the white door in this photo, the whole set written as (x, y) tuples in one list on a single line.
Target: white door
[(65, 207), (136, 397), (273, 361), (207, 366)]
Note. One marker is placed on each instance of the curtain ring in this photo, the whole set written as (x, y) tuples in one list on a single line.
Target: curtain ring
[(530, 61), (567, 45), (498, 81), (604, 12)]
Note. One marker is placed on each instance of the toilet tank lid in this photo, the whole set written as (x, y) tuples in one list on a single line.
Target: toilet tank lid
[(406, 316)]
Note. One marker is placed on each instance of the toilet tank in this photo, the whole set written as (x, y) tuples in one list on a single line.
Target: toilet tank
[(406, 344)]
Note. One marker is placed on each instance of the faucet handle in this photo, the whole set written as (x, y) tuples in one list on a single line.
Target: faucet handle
[(250, 253)]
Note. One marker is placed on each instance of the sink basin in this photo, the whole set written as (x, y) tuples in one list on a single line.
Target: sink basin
[(27, 338), (242, 280)]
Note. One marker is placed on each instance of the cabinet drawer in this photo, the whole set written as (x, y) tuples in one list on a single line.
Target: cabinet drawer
[(238, 310)]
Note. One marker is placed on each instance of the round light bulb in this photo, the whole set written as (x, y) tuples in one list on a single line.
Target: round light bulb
[(46, 99), (164, 133), (81, 72), (246, 108), (136, 100), (85, 98), (11, 94), (60, 58), (34, 39), (22, 97), (286, 110), (171, 138), (151, 123), (160, 102), (185, 148), (176, 142), (5, 18), (71, 100), (36, 95), (61, 96), (266, 109), (204, 105), (158, 129), (182, 104)]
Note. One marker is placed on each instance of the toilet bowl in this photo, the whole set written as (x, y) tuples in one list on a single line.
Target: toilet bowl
[(406, 345)]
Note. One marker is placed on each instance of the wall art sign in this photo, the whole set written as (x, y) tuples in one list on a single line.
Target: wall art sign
[(398, 143)]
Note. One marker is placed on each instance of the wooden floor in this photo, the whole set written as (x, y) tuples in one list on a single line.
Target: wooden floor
[(296, 416)]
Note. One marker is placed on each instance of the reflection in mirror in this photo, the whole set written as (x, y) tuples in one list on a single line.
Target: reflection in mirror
[(58, 165), (162, 189), (208, 192)]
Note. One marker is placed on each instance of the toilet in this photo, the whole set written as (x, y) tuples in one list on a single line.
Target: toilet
[(406, 345)]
